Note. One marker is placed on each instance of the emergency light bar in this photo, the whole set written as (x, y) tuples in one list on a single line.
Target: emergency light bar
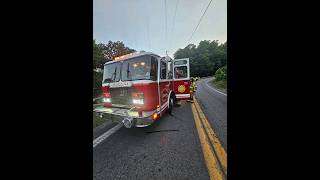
[(128, 55)]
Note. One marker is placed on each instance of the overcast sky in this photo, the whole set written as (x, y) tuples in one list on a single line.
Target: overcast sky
[(140, 24)]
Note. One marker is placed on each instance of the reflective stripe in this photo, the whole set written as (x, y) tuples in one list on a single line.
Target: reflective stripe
[(168, 80), (143, 81), (133, 82), (182, 95), (164, 105)]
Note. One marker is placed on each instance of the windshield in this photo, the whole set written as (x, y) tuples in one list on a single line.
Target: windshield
[(140, 68), (111, 72)]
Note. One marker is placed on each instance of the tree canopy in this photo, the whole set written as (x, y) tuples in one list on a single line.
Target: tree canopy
[(206, 58), (103, 53)]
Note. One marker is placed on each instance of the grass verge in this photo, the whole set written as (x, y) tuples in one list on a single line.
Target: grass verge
[(97, 121), (221, 85)]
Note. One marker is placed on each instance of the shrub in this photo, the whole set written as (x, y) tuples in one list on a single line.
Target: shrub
[(97, 82), (221, 73)]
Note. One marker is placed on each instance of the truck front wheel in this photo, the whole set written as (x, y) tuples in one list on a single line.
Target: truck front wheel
[(171, 103)]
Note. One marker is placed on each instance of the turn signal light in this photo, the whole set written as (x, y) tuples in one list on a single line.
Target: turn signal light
[(155, 116)]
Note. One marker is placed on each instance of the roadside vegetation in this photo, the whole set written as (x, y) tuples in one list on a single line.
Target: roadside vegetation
[(97, 83), (103, 53), (205, 58), (97, 121), (220, 80)]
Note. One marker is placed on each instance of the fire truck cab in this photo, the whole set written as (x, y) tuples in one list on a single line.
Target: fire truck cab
[(140, 87)]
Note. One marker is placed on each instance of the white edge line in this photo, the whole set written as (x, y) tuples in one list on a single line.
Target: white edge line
[(214, 88), (105, 135)]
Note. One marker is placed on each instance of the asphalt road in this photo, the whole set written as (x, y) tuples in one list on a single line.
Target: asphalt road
[(214, 105), (168, 149)]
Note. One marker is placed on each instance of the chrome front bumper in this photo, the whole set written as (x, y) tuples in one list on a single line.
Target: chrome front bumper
[(122, 115)]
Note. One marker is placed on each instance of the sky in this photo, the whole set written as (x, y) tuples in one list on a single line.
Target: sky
[(141, 24)]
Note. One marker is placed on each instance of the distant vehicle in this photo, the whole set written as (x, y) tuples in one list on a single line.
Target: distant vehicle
[(140, 87)]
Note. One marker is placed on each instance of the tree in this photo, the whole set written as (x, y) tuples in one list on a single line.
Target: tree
[(98, 56), (103, 53), (98, 60), (221, 74), (205, 58), (115, 49)]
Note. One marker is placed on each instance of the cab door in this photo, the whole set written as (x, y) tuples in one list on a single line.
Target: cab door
[(181, 79), (164, 84)]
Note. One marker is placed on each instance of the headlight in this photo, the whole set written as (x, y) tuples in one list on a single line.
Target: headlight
[(106, 100), (137, 98), (137, 101)]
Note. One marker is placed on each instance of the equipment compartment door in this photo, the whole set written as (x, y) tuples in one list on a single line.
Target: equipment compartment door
[(181, 78)]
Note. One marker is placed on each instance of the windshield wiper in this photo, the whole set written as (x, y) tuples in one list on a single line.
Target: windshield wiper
[(107, 80), (128, 71), (113, 77)]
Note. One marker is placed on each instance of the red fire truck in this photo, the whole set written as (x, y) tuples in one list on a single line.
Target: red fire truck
[(140, 87)]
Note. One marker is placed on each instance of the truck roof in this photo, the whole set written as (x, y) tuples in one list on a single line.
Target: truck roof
[(132, 55)]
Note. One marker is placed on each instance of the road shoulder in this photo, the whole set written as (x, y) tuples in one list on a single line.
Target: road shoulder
[(99, 130), (211, 85)]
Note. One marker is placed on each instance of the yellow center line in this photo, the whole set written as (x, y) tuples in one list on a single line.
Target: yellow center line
[(211, 161), (219, 150)]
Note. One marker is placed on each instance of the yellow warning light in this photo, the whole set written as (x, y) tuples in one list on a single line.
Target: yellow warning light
[(155, 116), (127, 55)]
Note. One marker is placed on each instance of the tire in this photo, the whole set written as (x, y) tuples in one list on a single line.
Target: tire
[(171, 104), (175, 104)]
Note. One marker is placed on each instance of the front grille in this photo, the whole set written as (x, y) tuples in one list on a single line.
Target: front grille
[(121, 96)]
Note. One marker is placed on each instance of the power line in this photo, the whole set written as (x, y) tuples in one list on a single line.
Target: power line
[(199, 22), (174, 20), (165, 7), (148, 29), (148, 34)]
